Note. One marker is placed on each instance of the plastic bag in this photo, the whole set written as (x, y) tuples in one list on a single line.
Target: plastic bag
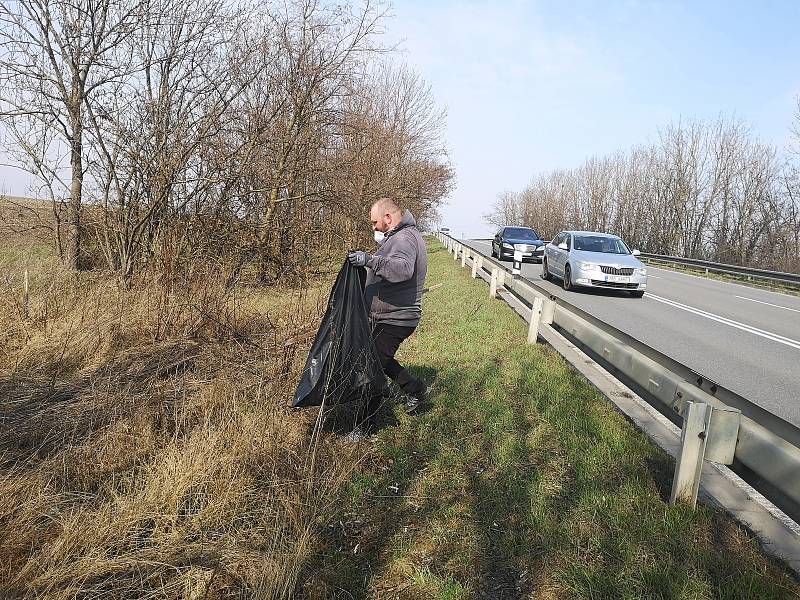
[(343, 365)]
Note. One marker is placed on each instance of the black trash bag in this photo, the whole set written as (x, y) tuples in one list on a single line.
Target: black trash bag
[(343, 365)]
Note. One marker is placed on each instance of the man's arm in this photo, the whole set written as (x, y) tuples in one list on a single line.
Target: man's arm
[(397, 266)]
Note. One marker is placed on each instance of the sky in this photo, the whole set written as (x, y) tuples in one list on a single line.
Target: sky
[(533, 86)]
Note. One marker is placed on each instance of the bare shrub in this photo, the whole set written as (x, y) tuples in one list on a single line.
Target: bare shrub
[(145, 444)]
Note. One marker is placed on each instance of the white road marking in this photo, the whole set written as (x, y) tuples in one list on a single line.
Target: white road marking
[(768, 303), (719, 281), (730, 322)]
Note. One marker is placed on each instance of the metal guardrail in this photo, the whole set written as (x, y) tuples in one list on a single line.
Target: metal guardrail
[(767, 445), (790, 279)]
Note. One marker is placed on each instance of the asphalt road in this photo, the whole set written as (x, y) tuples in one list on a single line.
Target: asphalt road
[(743, 338)]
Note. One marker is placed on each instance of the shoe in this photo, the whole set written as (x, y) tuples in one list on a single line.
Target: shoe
[(414, 401), (412, 386), (412, 405)]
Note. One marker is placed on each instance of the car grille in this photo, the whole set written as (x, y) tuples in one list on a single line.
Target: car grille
[(615, 271), (612, 284)]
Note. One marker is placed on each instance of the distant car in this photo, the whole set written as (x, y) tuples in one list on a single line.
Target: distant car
[(591, 259), (524, 239), (444, 229)]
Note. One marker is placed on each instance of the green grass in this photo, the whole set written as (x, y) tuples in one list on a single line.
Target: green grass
[(521, 481)]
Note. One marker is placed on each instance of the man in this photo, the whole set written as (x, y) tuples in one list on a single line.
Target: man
[(393, 291)]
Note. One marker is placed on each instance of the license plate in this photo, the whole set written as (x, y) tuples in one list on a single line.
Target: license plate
[(618, 279)]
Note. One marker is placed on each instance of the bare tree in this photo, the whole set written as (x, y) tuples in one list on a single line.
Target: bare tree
[(151, 138), (54, 67), (206, 128), (704, 190)]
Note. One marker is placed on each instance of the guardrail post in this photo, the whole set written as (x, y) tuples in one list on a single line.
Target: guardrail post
[(493, 283), (474, 266), (689, 465), (536, 314), (548, 311), (480, 263), (464, 253)]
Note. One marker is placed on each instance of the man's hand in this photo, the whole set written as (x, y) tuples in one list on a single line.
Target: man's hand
[(359, 258)]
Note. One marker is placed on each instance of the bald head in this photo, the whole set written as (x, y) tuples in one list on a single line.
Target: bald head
[(385, 215)]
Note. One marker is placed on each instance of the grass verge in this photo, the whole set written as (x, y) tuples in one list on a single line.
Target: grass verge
[(520, 482)]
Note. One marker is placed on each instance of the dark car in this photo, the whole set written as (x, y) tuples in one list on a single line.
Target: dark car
[(524, 239)]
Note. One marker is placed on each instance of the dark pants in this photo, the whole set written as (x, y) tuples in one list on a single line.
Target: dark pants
[(387, 339)]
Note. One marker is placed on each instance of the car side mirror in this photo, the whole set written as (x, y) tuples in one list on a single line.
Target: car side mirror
[(636, 252), (563, 246)]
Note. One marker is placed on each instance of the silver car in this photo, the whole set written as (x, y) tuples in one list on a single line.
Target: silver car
[(591, 259)]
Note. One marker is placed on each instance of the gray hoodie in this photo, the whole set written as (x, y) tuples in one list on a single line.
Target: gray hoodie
[(396, 276)]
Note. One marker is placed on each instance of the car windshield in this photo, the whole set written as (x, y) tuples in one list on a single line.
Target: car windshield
[(596, 243), (521, 233)]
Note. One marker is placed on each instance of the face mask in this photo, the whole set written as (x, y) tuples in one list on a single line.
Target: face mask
[(379, 236)]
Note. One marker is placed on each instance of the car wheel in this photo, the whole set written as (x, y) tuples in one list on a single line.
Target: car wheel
[(545, 272), (637, 293), (493, 252), (567, 281)]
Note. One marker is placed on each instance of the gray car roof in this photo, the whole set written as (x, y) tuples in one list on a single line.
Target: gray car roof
[(608, 235)]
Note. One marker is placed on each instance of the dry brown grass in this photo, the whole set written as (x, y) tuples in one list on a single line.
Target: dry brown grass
[(146, 447)]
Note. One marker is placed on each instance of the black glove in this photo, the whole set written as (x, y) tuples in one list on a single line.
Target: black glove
[(358, 258)]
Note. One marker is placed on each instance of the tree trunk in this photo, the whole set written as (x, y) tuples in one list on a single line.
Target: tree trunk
[(73, 247)]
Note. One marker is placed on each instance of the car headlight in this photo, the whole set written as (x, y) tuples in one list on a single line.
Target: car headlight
[(642, 271), (509, 246), (586, 266)]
